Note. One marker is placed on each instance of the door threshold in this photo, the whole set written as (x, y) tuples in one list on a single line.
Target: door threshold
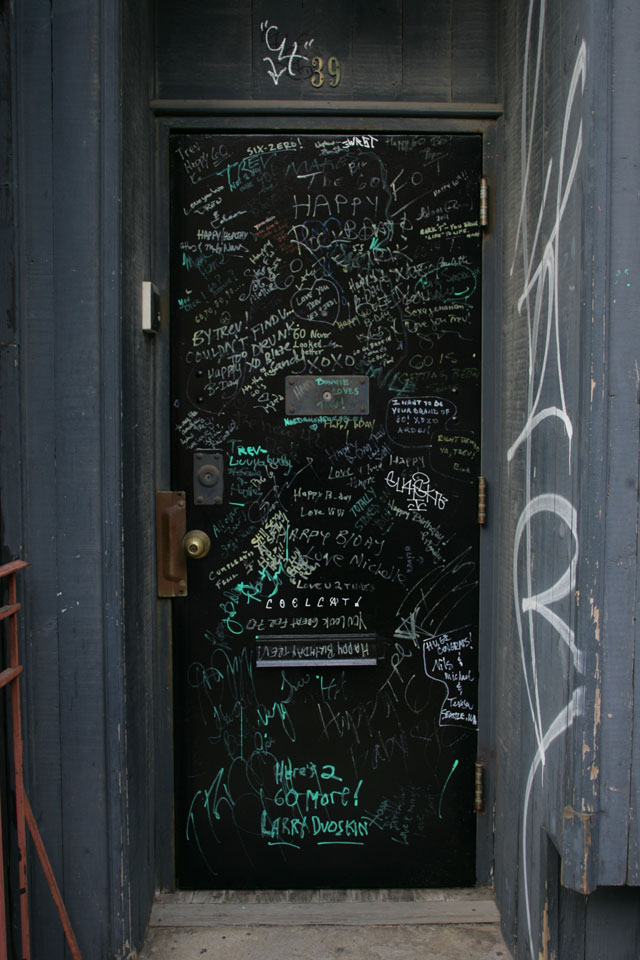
[(205, 908)]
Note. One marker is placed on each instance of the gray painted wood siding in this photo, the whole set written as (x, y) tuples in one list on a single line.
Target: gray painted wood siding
[(83, 446), (569, 492), (66, 150), (412, 50)]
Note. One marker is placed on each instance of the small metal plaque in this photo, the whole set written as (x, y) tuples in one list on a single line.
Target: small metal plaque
[(346, 650), (333, 395)]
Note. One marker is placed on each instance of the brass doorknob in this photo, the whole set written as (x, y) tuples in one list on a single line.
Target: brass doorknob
[(196, 544)]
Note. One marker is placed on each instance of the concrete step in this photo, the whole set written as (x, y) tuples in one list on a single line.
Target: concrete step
[(325, 925)]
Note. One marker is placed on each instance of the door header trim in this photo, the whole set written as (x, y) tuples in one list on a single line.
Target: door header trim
[(359, 108)]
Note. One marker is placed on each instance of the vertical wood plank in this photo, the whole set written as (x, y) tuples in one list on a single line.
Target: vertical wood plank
[(504, 507), (426, 49), (475, 51), (538, 537), (612, 924), (141, 456), (377, 50), (580, 844), (38, 399), (618, 604), (204, 50), (281, 57), (604, 924), (80, 458), (572, 923), (330, 26), (10, 461)]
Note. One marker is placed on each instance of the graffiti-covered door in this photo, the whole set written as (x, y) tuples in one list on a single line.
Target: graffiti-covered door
[(325, 319)]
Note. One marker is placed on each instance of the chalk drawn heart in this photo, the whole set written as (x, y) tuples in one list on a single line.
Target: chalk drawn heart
[(318, 303)]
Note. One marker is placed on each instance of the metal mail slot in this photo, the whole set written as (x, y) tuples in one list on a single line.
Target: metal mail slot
[(328, 396), (346, 650)]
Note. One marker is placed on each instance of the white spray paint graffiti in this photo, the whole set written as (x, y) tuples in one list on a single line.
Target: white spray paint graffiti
[(286, 54), (540, 300)]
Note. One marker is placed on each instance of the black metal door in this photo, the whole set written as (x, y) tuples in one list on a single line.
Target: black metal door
[(326, 413)]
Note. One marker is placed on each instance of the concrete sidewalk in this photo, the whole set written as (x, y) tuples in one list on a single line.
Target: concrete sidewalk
[(322, 925)]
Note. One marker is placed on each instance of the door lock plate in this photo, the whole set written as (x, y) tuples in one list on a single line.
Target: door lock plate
[(208, 478), (170, 530)]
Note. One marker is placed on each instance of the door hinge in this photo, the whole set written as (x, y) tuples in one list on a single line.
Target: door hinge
[(484, 202), (482, 501), (478, 801)]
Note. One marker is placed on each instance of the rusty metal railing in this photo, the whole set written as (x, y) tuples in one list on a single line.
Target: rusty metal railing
[(10, 678)]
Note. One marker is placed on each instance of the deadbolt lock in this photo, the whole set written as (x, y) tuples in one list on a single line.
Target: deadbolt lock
[(208, 475), (196, 544), (208, 478)]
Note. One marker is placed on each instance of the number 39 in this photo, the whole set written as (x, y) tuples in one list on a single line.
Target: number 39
[(333, 69)]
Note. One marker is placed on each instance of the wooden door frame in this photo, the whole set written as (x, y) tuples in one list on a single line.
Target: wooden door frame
[(264, 117)]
